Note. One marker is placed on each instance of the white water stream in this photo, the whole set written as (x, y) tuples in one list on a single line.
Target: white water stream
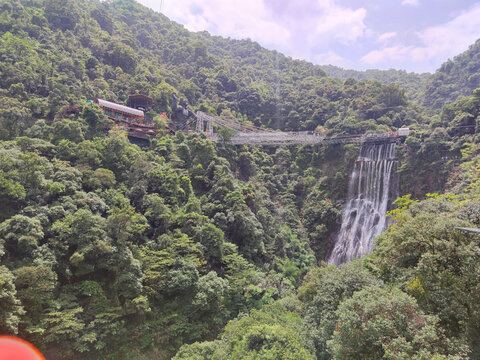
[(369, 194)]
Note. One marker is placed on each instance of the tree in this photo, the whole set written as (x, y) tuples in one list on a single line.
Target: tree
[(117, 153), (209, 301), (377, 323), (68, 129), (21, 235), (244, 229), (102, 178), (212, 239), (97, 122), (226, 134), (35, 288), (426, 256), (165, 182), (198, 351), (13, 118), (270, 333), (62, 14), (325, 289), (87, 242), (10, 306), (125, 224), (104, 19), (122, 55), (158, 214), (162, 95), (10, 194)]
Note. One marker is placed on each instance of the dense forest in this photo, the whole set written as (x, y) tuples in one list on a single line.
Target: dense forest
[(454, 79), (411, 82), (181, 247)]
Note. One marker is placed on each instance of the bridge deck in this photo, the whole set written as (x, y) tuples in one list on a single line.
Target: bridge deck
[(301, 138), (246, 134)]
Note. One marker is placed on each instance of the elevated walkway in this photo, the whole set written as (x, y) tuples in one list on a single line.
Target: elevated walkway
[(253, 135)]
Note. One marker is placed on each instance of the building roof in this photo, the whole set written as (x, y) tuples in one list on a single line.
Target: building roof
[(141, 96), (118, 107)]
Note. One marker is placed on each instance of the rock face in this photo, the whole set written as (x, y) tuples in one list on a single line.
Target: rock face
[(372, 186)]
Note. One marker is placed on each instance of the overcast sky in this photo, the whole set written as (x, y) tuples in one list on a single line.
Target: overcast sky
[(415, 35)]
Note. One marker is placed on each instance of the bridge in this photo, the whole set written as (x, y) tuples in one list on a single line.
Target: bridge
[(252, 135), (133, 121)]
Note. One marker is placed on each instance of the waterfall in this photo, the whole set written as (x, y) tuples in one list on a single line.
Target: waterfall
[(370, 192)]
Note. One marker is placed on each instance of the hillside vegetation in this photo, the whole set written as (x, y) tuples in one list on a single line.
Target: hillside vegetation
[(80, 50), (409, 81), (180, 247), (454, 79)]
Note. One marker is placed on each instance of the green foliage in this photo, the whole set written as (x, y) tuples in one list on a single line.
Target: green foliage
[(455, 78), (35, 288), (122, 55), (385, 324), (212, 240), (165, 182), (13, 118), (10, 306), (20, 234), (411, 82), (62, 14), (270, 333), (198, 351), (323, 293), (65, 325), (426, 256), (226, 134), (112, 250), (69, 130), (97, 122), (210, 298)]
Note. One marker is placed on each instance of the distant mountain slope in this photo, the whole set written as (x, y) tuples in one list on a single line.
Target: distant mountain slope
[(410, 81), (455, 78), (109, 49)]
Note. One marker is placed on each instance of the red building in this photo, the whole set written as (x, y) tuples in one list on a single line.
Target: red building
[(119, 112), (132, 119)]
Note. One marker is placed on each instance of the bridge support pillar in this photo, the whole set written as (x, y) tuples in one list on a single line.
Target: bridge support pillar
[(200, 124), (204, 124), (209, 128)]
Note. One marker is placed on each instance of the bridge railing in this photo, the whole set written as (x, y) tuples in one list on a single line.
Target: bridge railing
[(252, 135)]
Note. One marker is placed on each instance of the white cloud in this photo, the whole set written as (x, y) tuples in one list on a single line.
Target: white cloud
[(437, 43), (344, 24), (245, 19), (386, 36), (301, 29), (391, 53), (411, 2), (330, 57)]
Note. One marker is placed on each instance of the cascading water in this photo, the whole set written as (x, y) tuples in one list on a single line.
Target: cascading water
[(371, 189)]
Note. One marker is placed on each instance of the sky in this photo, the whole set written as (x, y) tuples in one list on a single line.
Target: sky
[(413, 35)]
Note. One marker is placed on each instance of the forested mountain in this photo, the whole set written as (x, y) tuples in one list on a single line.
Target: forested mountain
[(112, 49), (409, 81), (181, 247), (455, 78)]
